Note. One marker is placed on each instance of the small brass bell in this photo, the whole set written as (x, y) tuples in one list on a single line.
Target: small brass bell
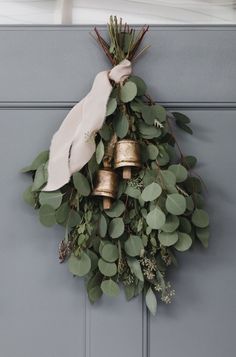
[(127, 155), (106, 186)]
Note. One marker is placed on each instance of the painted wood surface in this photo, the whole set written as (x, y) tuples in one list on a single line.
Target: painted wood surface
[(43, 309)]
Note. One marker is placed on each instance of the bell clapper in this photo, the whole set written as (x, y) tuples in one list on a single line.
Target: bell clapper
[(127, 174), (107, 203)]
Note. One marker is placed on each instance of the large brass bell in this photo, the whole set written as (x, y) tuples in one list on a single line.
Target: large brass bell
[(127, 155), (106, 186)]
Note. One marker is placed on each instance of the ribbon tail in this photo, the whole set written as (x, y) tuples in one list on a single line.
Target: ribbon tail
[(73, 145)]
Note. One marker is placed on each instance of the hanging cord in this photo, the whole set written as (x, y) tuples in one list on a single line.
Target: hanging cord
[(63, 12)]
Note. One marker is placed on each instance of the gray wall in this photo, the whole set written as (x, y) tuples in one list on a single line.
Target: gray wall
[(43, 309)]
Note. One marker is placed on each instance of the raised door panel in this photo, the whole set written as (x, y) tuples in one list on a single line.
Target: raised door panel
[(58, 64), (44, 310), (202, 318)]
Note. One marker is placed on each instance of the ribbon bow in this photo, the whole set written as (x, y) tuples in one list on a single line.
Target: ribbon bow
[(73, 145)]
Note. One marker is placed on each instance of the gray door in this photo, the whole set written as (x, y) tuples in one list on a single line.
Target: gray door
[(44, 311)]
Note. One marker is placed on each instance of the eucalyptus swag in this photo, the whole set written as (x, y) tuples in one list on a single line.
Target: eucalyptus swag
[(156, 213)]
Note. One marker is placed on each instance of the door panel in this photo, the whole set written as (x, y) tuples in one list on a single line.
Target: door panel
[(202, 318), (58, 64), (44, 310)]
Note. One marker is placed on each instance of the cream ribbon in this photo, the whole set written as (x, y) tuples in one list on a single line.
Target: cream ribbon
[(73, 145)]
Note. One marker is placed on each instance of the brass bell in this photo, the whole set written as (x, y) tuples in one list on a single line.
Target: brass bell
[(127, 155), (106, 186)]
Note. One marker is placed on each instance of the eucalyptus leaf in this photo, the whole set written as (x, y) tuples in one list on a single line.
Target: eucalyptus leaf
[(168, 239), (181, 117), (179, 171), (168, 179), (203, 235), (184, 242), (110, 253), (184, 127), (175, 204), (121, 125), (133, 246), (41, 158), (81, 184), (129, 292), (128, 92), (111, 106), (47, 215), (185, 225), (189, 162), (110, 288), (160, 112), (117, 208), (116, 227), (151, 192), (171, 224), (151, 301), (148, 114), (79, 266), (200, 218), (141, 85), (52, 199), (152, 151), (74, 218), (149, 132), (135, 268), (105, 132), (156, 218), (102, 226), (62, 213), (133, 192), (100, 152), (29, 196), (193, 185), (107, 269), (40, 178), (94, 259), (94, 294)]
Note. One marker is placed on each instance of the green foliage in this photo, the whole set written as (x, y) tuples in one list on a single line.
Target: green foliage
[(121, 125), (81, 184), (100, 152), (41, 158), (151, 192), (157, 213), (107, 269), (181, 121), (151, 301), (133, 246), (200, 218), (156, 218), (102, 226), (116, 227), (110, 288), (111, 106), (47, 215), (110, 253), (128, 91), (179, 171), (79, 266), (176, 204), (52, 199), (168, 239), (184, 242), (29, 196)]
